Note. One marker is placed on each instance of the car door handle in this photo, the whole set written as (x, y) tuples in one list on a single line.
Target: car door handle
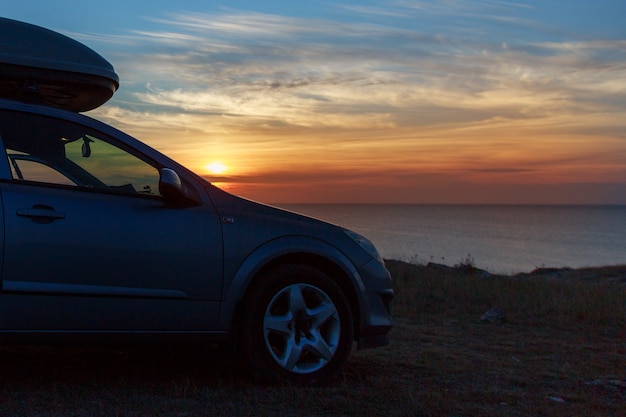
[(41, 211)]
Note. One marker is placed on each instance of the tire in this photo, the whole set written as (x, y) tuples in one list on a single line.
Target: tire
[(297, 326)]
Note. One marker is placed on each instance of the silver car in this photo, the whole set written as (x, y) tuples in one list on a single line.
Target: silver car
[(106, 239)]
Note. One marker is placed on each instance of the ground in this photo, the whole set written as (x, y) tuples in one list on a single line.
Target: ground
[(442, 361)]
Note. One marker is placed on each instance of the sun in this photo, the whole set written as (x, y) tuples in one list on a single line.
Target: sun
[(216, 167)]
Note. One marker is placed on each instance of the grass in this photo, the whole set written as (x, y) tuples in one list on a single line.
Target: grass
[(585, 297), (560, 352)]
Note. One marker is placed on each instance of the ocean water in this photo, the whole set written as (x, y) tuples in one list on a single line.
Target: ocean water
[(500, 239)]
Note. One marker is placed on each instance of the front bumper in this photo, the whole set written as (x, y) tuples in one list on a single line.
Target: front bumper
[(375, 312)]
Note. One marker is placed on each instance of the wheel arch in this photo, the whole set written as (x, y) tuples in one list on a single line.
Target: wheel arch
[(301, 250)]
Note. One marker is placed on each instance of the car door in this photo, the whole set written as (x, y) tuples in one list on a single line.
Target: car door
[(89, 242)]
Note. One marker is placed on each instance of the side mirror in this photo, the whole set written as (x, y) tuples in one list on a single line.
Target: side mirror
[(172, 189)]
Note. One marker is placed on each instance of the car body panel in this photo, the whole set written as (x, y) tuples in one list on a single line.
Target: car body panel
[(23, 312), (110, 241), (289, 235)]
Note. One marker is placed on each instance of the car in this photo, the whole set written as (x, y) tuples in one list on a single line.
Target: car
[(106, 239)]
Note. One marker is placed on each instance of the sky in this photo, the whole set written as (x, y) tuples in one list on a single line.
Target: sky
[(400, 101)]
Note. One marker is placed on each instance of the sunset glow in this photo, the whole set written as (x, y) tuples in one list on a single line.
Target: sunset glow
[(380, 102), (216, 167)]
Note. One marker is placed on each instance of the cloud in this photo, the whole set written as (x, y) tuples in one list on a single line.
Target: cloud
[(242, 63), (383, 102), (415, 188)]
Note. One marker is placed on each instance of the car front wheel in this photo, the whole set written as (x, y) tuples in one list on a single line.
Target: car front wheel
[(298, 326)]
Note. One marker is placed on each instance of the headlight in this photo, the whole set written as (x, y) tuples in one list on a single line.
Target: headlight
[(366, 245)]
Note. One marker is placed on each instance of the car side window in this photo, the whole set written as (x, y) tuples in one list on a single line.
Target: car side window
[(53, 151), (25, 167)]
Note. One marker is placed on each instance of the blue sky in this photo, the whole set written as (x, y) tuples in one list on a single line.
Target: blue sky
[(371, 101)]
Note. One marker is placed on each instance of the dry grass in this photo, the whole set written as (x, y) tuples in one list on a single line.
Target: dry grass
[(592, 297), (564, 338), (561, 352)]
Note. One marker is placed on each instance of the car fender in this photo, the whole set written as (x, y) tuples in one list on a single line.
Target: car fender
[(272, 250)]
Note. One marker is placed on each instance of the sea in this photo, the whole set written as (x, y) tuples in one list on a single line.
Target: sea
[(503, 239)]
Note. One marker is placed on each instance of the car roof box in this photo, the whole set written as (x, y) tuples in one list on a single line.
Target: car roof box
[(42, 66)]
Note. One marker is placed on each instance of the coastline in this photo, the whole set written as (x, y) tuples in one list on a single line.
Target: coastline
[(609, 273)]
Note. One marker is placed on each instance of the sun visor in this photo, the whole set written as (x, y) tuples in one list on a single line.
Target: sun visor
[(46, 67)]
